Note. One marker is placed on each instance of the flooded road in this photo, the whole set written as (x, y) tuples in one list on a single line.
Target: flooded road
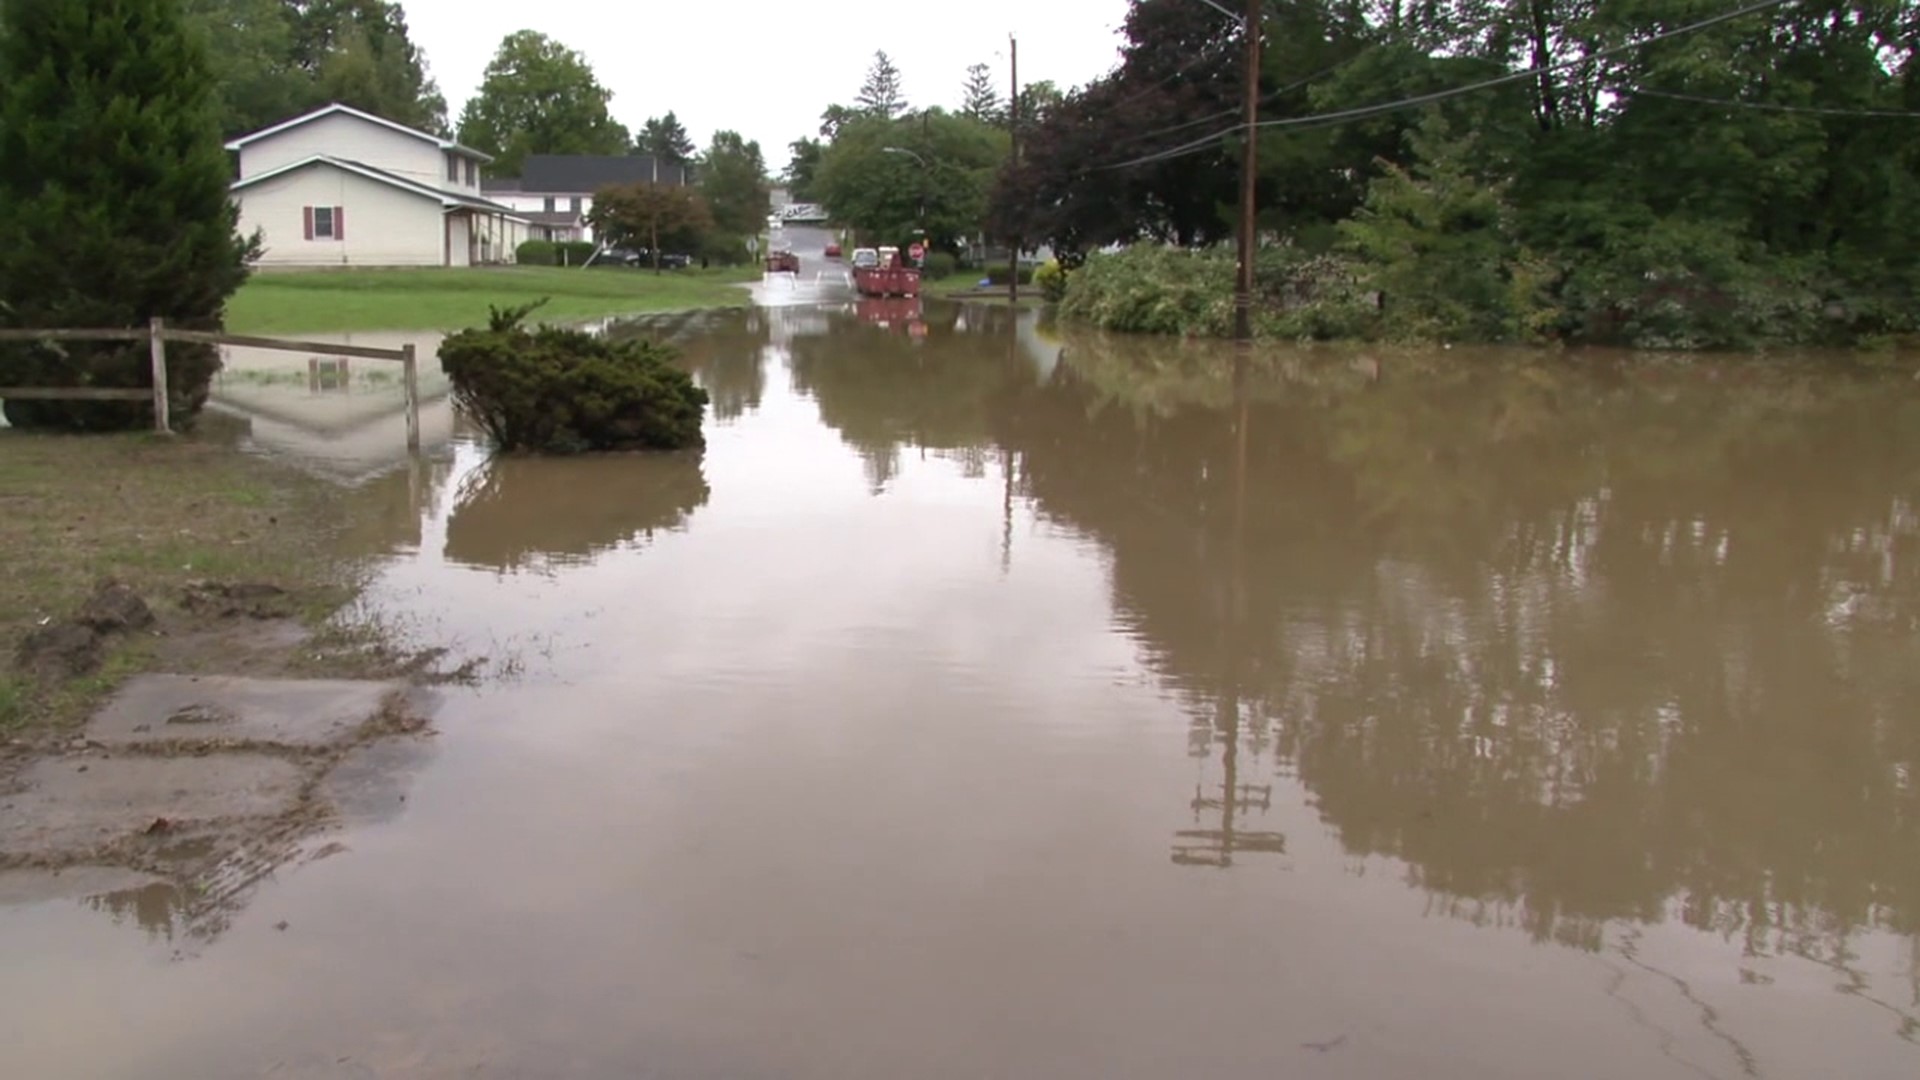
[(983, 702)]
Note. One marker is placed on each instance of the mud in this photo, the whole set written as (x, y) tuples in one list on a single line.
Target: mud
[(202, 784)]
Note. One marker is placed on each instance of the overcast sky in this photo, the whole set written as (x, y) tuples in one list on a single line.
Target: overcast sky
[(766, 68)]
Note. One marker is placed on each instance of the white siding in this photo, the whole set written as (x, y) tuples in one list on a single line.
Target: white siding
[(343, 136), (385, 226)]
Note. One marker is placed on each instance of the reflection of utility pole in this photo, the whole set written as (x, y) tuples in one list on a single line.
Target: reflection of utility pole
[(1013, 163), (1216, 847)]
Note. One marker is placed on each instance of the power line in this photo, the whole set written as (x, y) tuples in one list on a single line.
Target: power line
[(1365, 111), (1767, 106)]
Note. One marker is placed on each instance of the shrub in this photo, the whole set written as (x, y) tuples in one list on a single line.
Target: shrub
[(997, 275), (940, 264), (113, 203), (1154, 290), (558, 391), (1051, 277), (536, 253), (574, 252), (724, 249)]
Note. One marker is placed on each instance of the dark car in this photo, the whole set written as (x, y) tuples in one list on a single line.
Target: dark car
[(641, 258)]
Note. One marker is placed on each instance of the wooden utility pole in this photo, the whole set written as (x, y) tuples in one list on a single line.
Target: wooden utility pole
[(1013, 161), (1249, 175)]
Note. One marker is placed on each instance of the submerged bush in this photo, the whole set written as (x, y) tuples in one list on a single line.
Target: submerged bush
[(1051, 278), (558, 391), (1154, 290)]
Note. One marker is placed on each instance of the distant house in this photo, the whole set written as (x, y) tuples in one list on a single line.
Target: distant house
[(341, 187), (554, 192)]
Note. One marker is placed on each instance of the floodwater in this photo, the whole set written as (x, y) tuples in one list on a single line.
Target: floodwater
[(984, 702)]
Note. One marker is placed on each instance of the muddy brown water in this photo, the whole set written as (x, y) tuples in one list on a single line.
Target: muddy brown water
[(1001, 704)]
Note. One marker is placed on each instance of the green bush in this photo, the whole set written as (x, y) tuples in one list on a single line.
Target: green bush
[(940, 264), (114, 204), (1051, 277), (1150, 289), (536, 253), (558, 391), (725, 250), (998, 275), (574, 252)]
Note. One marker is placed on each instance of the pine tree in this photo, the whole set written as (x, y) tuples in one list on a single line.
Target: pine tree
[(880, 95), (982, 97), (113, 202), (666, 139)]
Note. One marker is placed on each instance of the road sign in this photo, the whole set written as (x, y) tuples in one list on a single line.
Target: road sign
[(918, 251), (753, 245)]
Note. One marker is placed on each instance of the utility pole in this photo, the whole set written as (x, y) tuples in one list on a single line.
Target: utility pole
[(1249, 174), (1013, 161)]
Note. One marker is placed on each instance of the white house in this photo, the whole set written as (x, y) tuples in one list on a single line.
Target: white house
[(555, 191), (341, 187)]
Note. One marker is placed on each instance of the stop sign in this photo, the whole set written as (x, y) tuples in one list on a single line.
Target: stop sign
[(917, 251)]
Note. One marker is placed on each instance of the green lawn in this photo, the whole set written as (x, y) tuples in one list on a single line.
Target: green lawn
[(318, 301)]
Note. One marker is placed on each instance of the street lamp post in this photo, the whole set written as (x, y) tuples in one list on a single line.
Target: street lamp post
[(926, 172)]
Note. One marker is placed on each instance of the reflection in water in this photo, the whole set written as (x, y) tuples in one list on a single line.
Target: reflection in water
[(515, 511), (159, 908), (1580, 639)]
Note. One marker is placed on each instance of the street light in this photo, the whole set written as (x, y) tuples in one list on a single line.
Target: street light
[(925, 171)]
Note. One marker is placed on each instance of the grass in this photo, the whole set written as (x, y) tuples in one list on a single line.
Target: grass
[(155, 513), (966, 286), (324, 301)]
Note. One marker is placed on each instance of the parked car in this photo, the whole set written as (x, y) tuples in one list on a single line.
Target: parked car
[(833, 251), (642, 258), (865, 258)]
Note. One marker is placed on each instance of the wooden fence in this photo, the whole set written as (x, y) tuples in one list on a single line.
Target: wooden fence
[(157, 334)]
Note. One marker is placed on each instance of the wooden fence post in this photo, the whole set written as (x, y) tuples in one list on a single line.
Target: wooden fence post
[(410, 375), (157, 348)]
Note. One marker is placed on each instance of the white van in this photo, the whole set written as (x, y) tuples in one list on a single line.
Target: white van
[(865, 258)]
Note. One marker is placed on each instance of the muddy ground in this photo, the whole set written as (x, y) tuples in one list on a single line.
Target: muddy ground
[(200, 784)]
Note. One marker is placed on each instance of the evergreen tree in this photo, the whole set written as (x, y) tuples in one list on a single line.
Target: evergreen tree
[(880, 95), (113, 202), (981, 98), (666, 139)]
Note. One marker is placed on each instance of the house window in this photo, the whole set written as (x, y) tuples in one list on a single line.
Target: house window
[(453, 168), (473, 173), (549, 204), (326, 222), (573, 204)]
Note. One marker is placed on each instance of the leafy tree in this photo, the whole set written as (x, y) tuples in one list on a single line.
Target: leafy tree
[(834, 117), (733, 177), (651, 215), (666, 139), (803, 164), (893, 178), (539, 97), (113, 200), (981, 97), (272, 59), (880, 95)]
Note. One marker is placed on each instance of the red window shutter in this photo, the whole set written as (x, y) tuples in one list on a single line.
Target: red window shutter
[(339, 223), (307, 213)]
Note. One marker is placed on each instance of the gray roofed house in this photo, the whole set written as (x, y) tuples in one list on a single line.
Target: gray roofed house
[(556, 190)]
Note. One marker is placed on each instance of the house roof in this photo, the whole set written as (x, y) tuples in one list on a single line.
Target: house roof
[(447, 199), (584, 174), (348, 110), (500, 185)]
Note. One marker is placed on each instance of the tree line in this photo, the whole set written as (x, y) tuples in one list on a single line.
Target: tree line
[(1620, 174)]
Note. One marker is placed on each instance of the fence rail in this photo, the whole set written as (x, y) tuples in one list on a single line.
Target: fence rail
[(157, 334)]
